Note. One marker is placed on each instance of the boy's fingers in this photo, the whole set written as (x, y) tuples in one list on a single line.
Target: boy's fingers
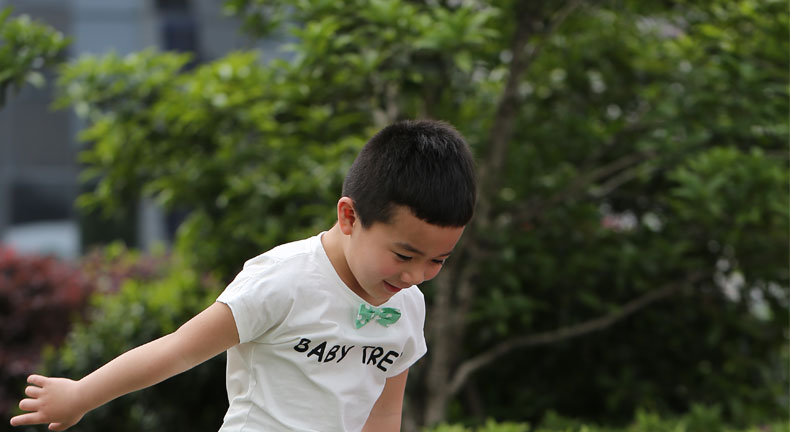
[(32, 391), (28, 405), (27, 419), (57, 426), (37, 380)]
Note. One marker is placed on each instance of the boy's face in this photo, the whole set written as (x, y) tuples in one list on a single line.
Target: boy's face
[(386, 258)]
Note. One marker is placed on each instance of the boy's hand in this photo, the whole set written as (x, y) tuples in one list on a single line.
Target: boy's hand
[(50, 400)]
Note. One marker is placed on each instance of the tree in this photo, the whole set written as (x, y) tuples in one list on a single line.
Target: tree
[(633, 183), (26, 48)]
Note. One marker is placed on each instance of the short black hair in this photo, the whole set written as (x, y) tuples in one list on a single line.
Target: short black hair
[(424, 165)]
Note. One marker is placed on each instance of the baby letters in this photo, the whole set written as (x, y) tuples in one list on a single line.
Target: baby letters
[(371, 355)]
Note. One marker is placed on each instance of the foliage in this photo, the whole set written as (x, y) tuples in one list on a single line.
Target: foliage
[(632, 158), (154, 298), (699, 419), (268, 163), (489, 426), (26, 48), (109, 267), (678, 99), (39, 296)]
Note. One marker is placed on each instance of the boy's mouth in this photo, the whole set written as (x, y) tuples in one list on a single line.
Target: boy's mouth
[(392, 288)]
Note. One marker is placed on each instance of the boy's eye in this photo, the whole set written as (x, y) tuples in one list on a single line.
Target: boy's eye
[(402, 257), (440, 262)]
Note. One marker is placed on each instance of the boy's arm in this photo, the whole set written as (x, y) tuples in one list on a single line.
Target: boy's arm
[(62, 402), (386, 413)]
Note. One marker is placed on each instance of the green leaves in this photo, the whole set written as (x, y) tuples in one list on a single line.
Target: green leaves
[(727, 178), (738, 201), (26, 48), (700, 418), (230, 141)]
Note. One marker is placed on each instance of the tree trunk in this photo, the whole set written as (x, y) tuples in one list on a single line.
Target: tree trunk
[(455, 288)]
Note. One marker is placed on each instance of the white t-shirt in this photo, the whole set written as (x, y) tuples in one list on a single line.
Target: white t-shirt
[(301, 364)]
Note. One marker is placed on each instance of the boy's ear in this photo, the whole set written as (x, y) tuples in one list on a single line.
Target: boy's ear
[(346, 215)]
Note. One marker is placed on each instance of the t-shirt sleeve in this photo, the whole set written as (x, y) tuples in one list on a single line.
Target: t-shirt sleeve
[(257, 300), (415, 346)]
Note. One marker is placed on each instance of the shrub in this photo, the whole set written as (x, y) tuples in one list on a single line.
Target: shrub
[(39, 296), (110, 266), (152, 298), (699, 419)]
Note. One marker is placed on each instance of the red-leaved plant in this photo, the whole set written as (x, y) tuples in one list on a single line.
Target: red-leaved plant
[(39, 297)]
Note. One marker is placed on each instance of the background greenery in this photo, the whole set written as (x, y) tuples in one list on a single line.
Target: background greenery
[(26, 49), (629, 251)]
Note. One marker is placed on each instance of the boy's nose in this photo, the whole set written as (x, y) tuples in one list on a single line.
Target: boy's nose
[(412, 277)]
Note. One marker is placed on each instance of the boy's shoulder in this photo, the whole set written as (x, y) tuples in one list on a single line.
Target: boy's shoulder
[(413, 299), (277, 272), (287, 251), (293, 249)]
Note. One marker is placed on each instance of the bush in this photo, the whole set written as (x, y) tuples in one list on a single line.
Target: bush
[(39, 296), (699, 419), (152, 298), (110, 266)]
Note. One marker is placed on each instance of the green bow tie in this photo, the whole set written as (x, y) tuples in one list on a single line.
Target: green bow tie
[(384, 316)]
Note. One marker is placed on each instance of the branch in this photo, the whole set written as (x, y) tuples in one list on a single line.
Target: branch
[(507, 109), (615, 182), (500, 138), (470, 250), (467, 368), (581, 181), (388, 113), (636, 125)]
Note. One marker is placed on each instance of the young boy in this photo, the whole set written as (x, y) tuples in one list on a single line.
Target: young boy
[(320, 333)]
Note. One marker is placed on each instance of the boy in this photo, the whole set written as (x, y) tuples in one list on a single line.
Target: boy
[(320, 333)]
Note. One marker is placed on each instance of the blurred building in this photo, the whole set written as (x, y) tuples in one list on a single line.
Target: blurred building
[(38, 146)]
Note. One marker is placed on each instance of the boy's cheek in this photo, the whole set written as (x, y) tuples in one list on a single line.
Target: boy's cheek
[(389, 271), (433, 273)]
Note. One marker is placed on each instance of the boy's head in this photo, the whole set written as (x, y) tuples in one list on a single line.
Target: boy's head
[(423, 165)]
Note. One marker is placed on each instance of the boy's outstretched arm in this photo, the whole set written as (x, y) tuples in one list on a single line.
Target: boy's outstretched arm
[(62, 402), (387, 411)]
